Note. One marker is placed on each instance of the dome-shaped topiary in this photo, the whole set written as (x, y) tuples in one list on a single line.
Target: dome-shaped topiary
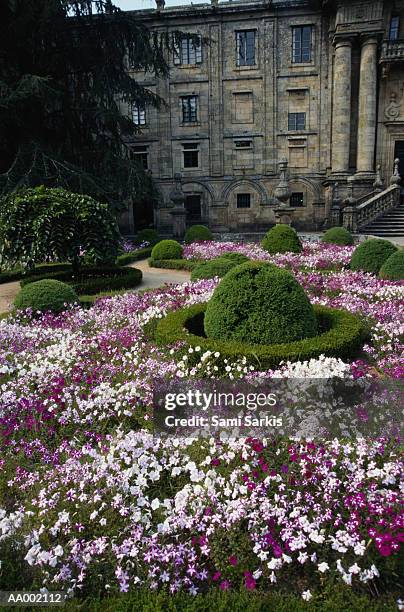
[(237, 258), (148, 235), (258, 303), (393, 267), (371, 254), (197, 233), (338, 235), (282, 239), (214, 267), (167, 249), (44, 295)]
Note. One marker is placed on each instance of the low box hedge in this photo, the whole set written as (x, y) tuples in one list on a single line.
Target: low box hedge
[(94, 279), (127, 258), (10, 276), (331, 598), (342, 334), (174, 264)]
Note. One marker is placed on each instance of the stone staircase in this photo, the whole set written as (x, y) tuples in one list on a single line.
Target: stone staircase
[(391, 223), (379, 214)]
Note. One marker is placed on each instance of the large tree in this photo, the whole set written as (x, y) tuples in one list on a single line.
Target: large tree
[(63, 73)]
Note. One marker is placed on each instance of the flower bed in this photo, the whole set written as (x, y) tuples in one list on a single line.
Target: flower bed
[(91, 502)]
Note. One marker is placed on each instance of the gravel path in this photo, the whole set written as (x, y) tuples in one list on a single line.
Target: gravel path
[(152, 278), (8, 291)]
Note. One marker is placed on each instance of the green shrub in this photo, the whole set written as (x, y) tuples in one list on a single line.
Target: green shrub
[(93, 279), (174, 264), (214, 267), (167, 249), (281, 239), (198, 233), (338, 235), (341, 334), (127, 258), (148, 235), (393, 267), (371, 254), (46, 294), (335, 598), (237, 258), (42, 223), (41, 269), (260, 304)]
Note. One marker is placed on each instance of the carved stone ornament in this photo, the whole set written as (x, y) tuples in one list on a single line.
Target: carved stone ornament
[(393, 109)]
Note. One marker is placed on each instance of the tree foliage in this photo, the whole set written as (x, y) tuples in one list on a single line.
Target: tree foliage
[(64, 91), (43, 224)]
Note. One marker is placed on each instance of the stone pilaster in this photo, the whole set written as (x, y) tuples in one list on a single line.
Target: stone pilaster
[(367, 106), (341, 113)]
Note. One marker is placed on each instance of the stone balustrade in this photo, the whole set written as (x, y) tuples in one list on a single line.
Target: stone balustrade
[(356, 217), (392, 50)]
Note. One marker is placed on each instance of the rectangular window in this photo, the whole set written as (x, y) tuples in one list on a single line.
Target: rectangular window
[(245, 48), (138, 114), (394, 27), (243, 200), (296, 199), (301, 45), (191, 155), (243, 144), (296, 122), (188, 52), (140, 156), (189, 109)]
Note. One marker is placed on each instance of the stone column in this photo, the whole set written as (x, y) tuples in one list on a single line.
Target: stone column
[(341, 114), (367, 106)]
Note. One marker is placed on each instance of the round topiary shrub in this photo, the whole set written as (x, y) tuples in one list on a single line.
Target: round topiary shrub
[(214, 267), (167, 249), (44, 295), (393, 267), (338, 235), (151, 236), (370, 255), (237, 258), (258, 303), (282, 239), (197, 233)]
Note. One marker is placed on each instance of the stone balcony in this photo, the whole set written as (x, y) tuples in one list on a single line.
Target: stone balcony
[(392, 51)]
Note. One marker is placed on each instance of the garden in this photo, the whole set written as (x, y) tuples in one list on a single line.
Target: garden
[(96, 505)]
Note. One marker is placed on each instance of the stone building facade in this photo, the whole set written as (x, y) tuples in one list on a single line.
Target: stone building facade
[(320, 83)]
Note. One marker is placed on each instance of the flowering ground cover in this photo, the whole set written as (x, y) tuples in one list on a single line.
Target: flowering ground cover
[(93, 503)]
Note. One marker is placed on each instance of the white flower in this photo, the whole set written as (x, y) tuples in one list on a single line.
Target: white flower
[(155, 504), (306, 595), (323, 567)]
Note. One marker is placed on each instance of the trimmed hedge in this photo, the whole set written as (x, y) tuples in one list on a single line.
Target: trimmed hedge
[(167, 249), (219, 266), (94, 279), (46, 295), (334, 598), (259, 303), (338, 235), (341, 334), (282, 239), (393, 267), (174, 264), (198, 233), (148, 235), (237, 258), (127, 258), (371, 254), (15, 275)]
